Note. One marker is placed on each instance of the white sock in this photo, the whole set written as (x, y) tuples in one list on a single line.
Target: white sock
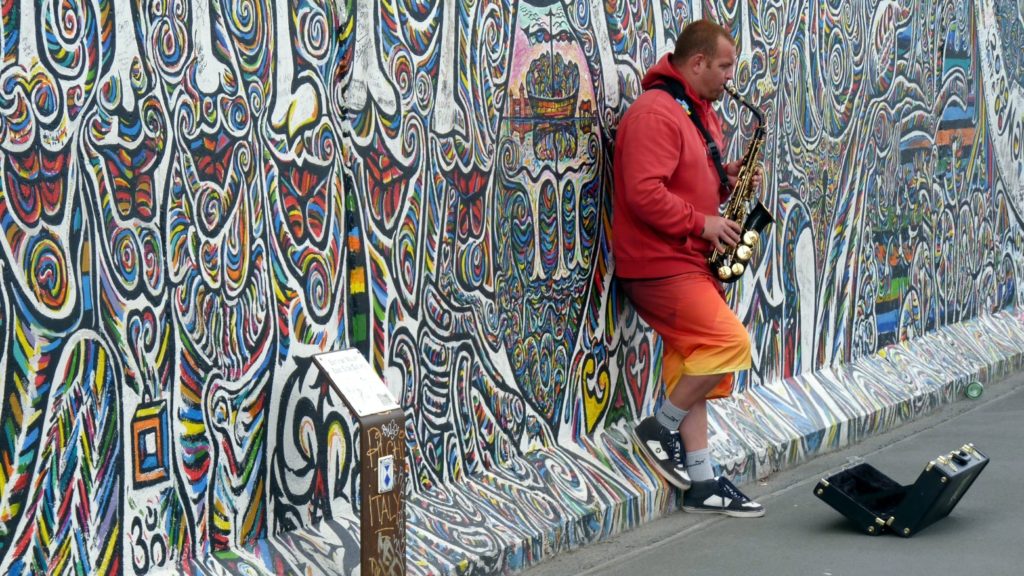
[(698, 465), (670, 415)]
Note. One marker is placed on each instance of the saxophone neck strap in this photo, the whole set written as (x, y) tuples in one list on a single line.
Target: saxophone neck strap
[(676, 89)]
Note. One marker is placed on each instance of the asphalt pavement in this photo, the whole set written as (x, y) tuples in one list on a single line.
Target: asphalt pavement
[(801, 535)]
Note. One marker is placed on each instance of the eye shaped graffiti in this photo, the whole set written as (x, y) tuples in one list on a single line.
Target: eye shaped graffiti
[(547, 203)]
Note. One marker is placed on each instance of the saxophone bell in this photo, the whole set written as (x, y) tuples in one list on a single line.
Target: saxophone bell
[(758, 219)]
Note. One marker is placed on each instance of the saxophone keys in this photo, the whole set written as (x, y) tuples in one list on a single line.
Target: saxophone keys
[(751, 238), (724, 273), (744, 252), (737, 269)]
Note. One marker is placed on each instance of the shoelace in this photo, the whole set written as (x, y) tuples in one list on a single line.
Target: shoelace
[(731, 490), (675, 446)]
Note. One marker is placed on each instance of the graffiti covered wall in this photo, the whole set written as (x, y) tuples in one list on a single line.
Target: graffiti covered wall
[(198, 196)]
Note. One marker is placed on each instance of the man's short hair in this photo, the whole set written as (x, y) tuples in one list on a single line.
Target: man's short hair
[(699, 37)]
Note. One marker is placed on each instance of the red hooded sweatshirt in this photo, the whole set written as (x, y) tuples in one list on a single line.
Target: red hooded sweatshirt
[(665, 183)]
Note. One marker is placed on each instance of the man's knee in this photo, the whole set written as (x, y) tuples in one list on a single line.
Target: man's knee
[(740, 342)]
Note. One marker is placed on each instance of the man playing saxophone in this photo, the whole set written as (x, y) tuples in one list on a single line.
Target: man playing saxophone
[(669, 186)]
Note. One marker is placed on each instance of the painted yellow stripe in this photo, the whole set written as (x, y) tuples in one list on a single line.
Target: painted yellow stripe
[(101, 370), (22, 338), (194, 428), (15, 403), (254, 509), (44, 535), (108, 552)]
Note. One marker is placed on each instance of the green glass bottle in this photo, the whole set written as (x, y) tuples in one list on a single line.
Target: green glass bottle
[(974, 390)]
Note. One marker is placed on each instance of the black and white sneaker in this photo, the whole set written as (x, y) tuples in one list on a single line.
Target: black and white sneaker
[(720, 496), (665, 448)]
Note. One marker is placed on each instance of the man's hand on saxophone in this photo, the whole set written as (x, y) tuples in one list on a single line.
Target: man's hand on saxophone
[(721, 232), (732, 170)]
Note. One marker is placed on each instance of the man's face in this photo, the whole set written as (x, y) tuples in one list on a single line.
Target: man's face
[(715, 71)]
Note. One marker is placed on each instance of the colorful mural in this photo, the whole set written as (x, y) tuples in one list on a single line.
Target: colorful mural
[(196, 197)]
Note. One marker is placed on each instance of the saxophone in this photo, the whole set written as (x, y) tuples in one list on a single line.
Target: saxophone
[(730, 264)]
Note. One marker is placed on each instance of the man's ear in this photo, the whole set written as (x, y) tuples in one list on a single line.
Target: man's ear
[(699, 59)]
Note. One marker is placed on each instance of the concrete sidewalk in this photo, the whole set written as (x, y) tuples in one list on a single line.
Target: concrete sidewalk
[(801, 535)]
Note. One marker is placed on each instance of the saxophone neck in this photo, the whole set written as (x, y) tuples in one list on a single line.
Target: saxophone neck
[(736, 96)]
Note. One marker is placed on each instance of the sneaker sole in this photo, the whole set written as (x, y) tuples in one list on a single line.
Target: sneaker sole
[(733, 513), (668, 477)]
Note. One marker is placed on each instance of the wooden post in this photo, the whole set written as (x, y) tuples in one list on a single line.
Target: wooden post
[(381, 423), (382, 505)]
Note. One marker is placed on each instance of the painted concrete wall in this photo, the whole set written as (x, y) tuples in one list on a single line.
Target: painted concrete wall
[(198, 196)]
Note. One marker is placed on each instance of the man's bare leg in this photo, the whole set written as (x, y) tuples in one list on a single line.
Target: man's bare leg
[(689, 394), (660, 434), (694, 429), (657, 434), (707, 494)]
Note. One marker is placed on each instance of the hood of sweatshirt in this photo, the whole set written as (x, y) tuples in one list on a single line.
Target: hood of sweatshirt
[(664, 70)]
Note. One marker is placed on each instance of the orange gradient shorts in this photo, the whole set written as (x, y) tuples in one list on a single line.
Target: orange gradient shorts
[(701, 334)]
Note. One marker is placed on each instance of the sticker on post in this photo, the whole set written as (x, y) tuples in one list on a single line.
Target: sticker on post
[(385, 474)]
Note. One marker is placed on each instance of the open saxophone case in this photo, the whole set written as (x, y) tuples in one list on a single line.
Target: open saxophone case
[(877, 504)]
